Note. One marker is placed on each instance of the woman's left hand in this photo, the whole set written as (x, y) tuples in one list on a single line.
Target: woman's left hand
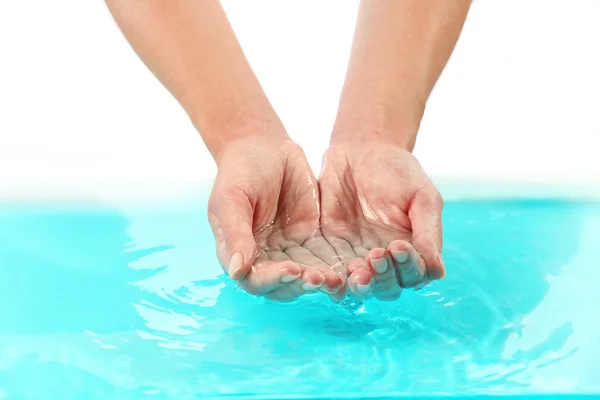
[(382, 214)]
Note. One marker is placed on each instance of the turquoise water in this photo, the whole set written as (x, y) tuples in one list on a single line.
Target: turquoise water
[(130, 303)]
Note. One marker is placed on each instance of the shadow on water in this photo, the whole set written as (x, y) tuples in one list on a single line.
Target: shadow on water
[(96, 304)]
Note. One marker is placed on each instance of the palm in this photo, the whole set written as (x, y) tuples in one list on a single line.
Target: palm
[(277, 187), (366, 195)]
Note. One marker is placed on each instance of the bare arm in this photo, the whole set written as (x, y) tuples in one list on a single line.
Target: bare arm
[(190, 46), (400, 49)]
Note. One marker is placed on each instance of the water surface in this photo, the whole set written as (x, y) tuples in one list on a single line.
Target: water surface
[(130, 303)]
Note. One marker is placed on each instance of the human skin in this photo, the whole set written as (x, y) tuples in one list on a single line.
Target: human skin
[(279, 232), (380, 211), (264, 206)]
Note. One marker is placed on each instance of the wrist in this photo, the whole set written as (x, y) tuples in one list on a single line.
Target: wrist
[(264, 133), (250, 120), (361, 122)]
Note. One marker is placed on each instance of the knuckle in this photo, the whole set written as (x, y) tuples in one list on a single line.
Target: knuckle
[(437, 197), (429, 195), (433, 194), (230, 239)]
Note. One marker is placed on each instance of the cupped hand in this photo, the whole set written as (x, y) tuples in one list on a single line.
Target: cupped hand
[(382, 215), (264, 213)]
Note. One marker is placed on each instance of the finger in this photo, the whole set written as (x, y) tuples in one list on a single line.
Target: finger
[(426, 219), (308, 255), (382, 264), (310, 282), (360, 283), (287, 293), (231, 217), (266, 277), (340, 294), (332, 281), (354, 264), (386, 282), (410, 267), (352, 258), (377, 260)]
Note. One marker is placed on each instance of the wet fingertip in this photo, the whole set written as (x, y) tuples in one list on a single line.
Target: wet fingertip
[(328, 290), (334, 280), (377, 252), (340, 294), (400, 256), (338, 297), (336, 300), (289, 278), (380, 265), (313, 277), (241, 274), (291, 269), (310, 287), (364, 289), (436, 273), (236, 264), (436, 270)]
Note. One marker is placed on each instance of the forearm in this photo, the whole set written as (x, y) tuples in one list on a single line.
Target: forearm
[(192, 49), (400, 49)]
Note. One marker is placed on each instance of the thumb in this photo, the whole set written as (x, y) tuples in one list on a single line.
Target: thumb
[(230, 217), (425, 214)]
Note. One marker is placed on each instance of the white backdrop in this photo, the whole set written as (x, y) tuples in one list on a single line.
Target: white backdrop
[(519, 100)]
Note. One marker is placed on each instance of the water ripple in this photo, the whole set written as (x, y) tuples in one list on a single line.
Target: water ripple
[(158, 319)]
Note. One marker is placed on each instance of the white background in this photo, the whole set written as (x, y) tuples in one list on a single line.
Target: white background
[(519, 100)]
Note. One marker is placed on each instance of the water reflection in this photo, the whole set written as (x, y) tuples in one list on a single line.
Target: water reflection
[(133, 303)]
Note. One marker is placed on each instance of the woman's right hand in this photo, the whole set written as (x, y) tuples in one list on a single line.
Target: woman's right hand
[(264, 213), (264, 207)]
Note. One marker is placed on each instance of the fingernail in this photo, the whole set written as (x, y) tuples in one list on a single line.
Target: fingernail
[(441, 260), (289, 278), (380, 265), (236, 262), (400, 256), (309, 287), (364, 289)]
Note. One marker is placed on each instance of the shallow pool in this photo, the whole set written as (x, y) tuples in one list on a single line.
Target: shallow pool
[(130, 303)]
